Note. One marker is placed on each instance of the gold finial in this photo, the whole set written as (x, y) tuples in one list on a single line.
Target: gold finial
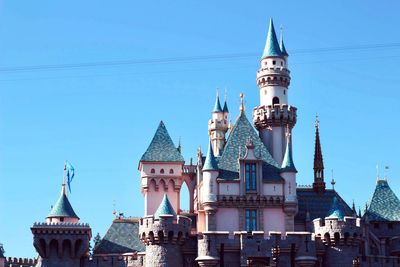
[(333, 182), (316, 121), (241, 102)]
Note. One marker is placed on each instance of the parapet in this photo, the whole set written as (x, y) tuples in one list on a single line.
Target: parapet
[(331, 230), (277, 115), (165, 229), (20, 262)]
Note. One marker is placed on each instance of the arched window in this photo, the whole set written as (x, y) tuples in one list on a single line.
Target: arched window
[(162, 171), (153, 171), (171, 171), (275, 101)]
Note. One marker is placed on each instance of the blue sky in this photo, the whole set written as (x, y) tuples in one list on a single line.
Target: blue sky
[(101, 118)]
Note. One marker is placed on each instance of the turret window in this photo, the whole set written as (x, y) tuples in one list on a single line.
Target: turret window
[(162, 171), (275, 101), (273, 62), (251, 176), (171, 171), (251, 220), (153, 171)]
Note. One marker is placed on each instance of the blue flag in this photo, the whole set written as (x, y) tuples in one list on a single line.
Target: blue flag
[(70, 173)]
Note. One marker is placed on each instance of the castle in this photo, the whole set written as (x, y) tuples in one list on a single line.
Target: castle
[(245, 206)]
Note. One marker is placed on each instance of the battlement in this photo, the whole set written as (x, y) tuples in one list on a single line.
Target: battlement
[(48, 228), (277, 115), (273, 76), (165, 229), (218, 124), (20, 262), (331, 230)]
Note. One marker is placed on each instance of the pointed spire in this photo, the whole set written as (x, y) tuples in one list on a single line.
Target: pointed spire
[(282, 45), (336, 210), (272, 46), (63, 207), (225, 108), (359, 212), (210, 164), (319, 184), (287, 163), (353, 208), (217, 106), (165, 208)]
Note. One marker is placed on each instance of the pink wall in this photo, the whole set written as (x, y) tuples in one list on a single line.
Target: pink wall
[(153, 198), (227, 219), (274, 220)]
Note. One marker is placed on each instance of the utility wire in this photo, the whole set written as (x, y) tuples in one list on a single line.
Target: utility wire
[(189, 59)]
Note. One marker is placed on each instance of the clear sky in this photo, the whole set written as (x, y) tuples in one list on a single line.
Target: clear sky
[(102, 117)]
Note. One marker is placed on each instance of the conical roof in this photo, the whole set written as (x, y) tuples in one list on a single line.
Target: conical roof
[(161, 148), (336, 211), (63, 207), (210, 163), (271, 46), (225, 108), (282, 46), (287, 163), (217, 106), (165, 208), (385, 206)]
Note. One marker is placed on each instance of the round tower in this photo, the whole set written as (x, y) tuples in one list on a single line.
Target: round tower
[(274, 112), (218, 126), (61, 241), (163, 234)]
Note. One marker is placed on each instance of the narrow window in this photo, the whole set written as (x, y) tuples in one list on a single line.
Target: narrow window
[(251, 220), (162, 171), (281, 63), (284, 92), (153, 171), (274, 62), (275, 101), (251, 176), (171, 171)]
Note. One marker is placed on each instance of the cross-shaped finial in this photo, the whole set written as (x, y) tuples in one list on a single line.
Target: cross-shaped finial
[(241, 102), (333, 182)]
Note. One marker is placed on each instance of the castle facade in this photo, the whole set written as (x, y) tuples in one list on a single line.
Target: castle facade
[(245, 206)]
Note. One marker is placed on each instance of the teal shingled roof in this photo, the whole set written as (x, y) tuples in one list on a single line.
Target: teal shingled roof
[(287, 163), (162, 148), (210, 164), (228, 162), (165, 208), (217, 106), (337, 210), (225, 109), (385, 206), (282, 47), (121, 237), (316, 204), (272, 46), (63, 207)]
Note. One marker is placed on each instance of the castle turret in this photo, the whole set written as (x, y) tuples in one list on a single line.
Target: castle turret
[(61, 241), (163, 234), (288, 172), (274, 112), (218, 126), (161, 171), (319, 183), (210, 174)]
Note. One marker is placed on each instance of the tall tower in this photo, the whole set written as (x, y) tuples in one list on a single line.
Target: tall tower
[(218, 126), (161, 169), (274, 113), (319, 184)]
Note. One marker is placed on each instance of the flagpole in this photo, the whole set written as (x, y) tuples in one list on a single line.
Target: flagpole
[(64, 178)]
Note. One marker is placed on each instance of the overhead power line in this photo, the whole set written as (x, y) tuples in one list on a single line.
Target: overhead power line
[(189, 59)]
